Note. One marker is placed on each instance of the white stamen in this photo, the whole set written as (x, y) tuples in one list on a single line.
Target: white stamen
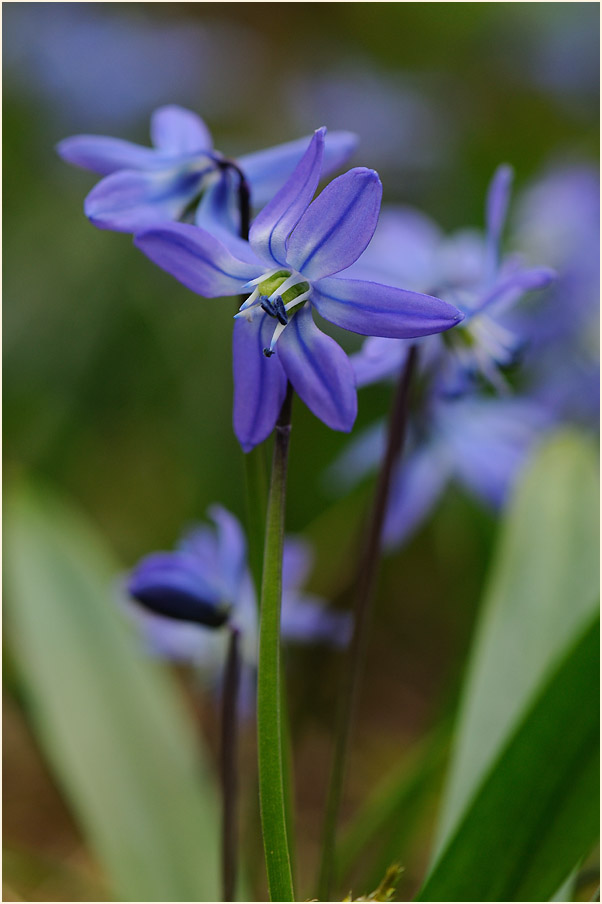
[(250, 300), (255, 282), (288, 283), (303, 297), (280, 327)]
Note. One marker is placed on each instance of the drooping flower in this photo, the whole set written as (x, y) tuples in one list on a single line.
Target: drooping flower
[(296, 247), (182, 173), (466, 269), (188, 599)]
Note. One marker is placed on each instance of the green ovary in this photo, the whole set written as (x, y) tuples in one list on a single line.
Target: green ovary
[(273, 282)]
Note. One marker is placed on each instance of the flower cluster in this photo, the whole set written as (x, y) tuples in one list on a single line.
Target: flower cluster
[(395, 278), (289, 266)]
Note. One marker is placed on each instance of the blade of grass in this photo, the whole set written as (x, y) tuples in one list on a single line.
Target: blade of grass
[(109, 719)]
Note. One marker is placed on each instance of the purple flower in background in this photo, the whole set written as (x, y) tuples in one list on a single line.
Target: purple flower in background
[(188, 599), (558, 220), (296, 246), (182, 173), (465, 269), (478, 442)]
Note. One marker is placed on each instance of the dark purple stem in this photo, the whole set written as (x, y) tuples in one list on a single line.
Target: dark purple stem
[(365, 583), (229, 766)]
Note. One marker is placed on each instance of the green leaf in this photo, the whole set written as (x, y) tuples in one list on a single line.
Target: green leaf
[(542, 592), (110, 721), (536, 812)]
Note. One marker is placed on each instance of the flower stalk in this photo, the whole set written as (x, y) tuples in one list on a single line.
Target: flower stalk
[(229, 770), (269, 689), (365, 583)]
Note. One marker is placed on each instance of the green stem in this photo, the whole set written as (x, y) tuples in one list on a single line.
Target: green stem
[(269, 711), (365, 585), (256, 494)]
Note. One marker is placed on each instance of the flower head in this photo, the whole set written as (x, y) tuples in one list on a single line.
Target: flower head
[(466, 269), (190, 597), (182, 173), (296, 246)]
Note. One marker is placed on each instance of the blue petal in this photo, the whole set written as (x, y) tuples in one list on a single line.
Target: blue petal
[(297, 561), (403, 251), (231, 550), (319, 370), (179, 131), (107, 155), (179, 641), (417, 485), (375, 310), (272, 227), (337, 226), (360, 457), (379, 359), (198, 259), (498, 198), (267, 171), (200, 541), (259, 382), (307, 619), (509, 289), (489, 441), (217, 211), (131, 200), (172, 585)]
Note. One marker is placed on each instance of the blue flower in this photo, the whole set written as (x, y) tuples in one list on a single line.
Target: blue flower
[(465, 269), (480, 443), (296, 246), (143, 185), (188, 599)]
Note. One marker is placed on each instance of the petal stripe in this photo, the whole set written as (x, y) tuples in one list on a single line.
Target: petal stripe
[(308, 178), (333, 228), (371, 309), (178, 243), (310, 356)]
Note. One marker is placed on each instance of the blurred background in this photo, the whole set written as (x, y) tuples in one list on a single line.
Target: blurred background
[(117, 380)]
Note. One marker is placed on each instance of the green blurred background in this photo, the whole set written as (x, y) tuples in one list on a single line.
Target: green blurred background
[(117, 380)]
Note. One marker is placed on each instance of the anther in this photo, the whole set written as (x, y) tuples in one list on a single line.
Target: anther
[(268, 352)]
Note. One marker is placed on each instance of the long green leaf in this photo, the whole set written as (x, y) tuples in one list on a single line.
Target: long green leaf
[(542, 592), (537, 811), (109, 719)]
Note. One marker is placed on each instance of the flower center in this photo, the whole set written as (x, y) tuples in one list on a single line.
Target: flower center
[(275, 293)]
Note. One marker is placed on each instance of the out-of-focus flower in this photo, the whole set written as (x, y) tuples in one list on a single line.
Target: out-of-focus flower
[(296, 246), (480, 443), (558, 221), (182, 172), (466, 269), (188, 599)]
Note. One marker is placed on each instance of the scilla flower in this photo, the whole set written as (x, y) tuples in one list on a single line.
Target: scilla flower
[(148, 185), (296, 248), (466, 269), (187, 600), (480, 443)]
